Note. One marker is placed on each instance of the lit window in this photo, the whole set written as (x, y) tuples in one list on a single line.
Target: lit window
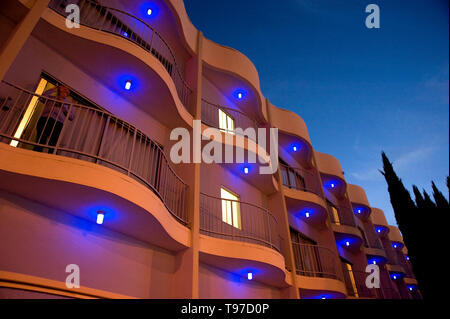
[(29, 112), (230, 208), (226, 122), (352, 279), (335, 213)]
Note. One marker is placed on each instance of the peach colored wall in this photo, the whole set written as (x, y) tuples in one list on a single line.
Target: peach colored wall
[(216, 283), (395, 234), (215, 176), (211, 93), (357, 195), (41, 241), (377, 217), (36, 57), (289, 122), (329, 165), (6, 27)]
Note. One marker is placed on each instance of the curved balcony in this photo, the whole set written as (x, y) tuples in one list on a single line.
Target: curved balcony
[(318, 272), (331, 173), (362, 291), (360, 203), (245, 222), (300, 179), (131, 28), (373, 241), (344, 216), (211, 116), (316, 261), (303, 195), (91, 135)]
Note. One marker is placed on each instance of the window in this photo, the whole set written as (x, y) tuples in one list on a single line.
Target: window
[(27, 126), (230, 208), (306, 255), (226, 122), (363, 235), (350, 278), (334, 214), (290, 177)]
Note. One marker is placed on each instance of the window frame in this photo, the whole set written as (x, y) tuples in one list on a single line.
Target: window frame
[(233, 216)]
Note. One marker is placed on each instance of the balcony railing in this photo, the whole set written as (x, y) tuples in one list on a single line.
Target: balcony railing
[(405, 264), (391, 254), (300, 179), (255, 224), (316, 261), (360, 283), (387, 288), (373, 241), (131, 28), (344, 216), (89, 134), (211, 117)]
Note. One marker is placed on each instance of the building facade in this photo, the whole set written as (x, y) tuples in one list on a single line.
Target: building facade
[(88, 187)]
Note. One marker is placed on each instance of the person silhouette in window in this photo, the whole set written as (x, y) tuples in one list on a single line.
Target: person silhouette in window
[(51, 122)]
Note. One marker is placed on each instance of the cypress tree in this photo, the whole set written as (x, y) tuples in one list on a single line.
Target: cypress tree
[(439, 198), (430, 206), (420, 201), (407, 215)]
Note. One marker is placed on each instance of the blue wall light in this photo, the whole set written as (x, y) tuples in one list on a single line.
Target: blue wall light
[(306, 212), (245, 170), (149, 10), (347, 243), (240, 94), (250, 275), (100, 217), (407, 258), (128, 82)]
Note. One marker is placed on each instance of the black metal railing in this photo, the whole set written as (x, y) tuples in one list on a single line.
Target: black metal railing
[(218, 116), (344, 215), (316, 261), (239, 221), (300, 179), (62, 128), (131, 28)]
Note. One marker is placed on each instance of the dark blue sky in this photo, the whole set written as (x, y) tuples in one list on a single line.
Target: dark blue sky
[(359, 90)]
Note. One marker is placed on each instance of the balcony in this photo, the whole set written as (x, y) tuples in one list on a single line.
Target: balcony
[(249, 223), (300, 179), (240, 238), (227, 119), (304, 199), (344, 216), (91, 135), (359, 284), (316, 261), (372, 240), (133, 29)]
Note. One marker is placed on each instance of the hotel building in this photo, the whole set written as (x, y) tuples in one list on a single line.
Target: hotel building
[(86, 176)]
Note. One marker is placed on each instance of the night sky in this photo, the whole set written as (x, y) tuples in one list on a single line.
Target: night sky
[(359, 90)]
